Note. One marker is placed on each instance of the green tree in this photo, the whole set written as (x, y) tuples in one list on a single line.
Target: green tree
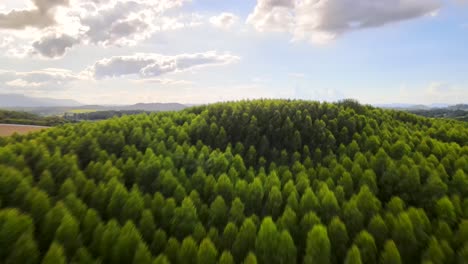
[(24, 251), (275, 202), (338, 239), (318, 248), (229, 236), (353, 256), (226, 258), (390, 254), (366, 244), (54, 255), (207, 253), (147, 226), (445, 210), (218, 212), (142, 255), (266, 245), (188, 251), (250, 259), (126, 244), (185, 219), (245, 240), (236, 213), (68, 235)]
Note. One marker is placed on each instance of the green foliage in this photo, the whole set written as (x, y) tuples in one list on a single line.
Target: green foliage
[(268, 181), (318, 248), (24, 118), (207, 252), (353, 256)]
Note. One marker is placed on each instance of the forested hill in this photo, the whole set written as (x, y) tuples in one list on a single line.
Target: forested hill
[(267, 181)]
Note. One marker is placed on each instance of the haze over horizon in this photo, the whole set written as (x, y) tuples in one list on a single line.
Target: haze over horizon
[(202, 51)]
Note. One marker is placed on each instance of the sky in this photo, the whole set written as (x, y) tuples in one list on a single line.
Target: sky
[(203, 51)]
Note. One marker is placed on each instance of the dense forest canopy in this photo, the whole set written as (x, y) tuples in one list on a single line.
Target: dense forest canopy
[(266, 181)]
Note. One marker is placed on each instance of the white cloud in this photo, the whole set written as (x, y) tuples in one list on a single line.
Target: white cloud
[(163, 81), (321, 21), (22, 83), (440, 92), (224, 20), (153, 65), (47, 79), (51, 27)]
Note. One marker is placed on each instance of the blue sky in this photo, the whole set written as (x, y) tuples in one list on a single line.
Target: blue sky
[(201, 51)]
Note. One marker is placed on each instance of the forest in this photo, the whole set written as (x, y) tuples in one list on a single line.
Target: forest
[(263, 181), (100, 115), (25, 118)]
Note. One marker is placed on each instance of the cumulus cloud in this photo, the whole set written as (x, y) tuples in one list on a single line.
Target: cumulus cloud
[(52, 27), (119, 24), (321, 21), (224, 20), (42, 15), (54, 46), (153, 65), (46, 79)]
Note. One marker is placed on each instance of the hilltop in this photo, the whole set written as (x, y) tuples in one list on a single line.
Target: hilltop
[(265, 181)]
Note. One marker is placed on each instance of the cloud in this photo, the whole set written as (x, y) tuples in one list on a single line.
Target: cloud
[(47, 79), (224, 20), (163, 81), (440, 92), (153, 65), (22, 83), (120, 24), (321, 21), (51, 27), (41, 16), (54, 46)]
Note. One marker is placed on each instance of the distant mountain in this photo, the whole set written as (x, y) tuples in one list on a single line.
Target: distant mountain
[(18, 100)]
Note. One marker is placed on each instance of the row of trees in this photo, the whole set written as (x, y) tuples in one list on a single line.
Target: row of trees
[(266, 181)]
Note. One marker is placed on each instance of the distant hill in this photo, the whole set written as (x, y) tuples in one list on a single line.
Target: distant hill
[(18, 100), (459, 107)]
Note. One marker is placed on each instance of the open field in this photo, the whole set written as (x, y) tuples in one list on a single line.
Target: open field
[(8, 130)]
